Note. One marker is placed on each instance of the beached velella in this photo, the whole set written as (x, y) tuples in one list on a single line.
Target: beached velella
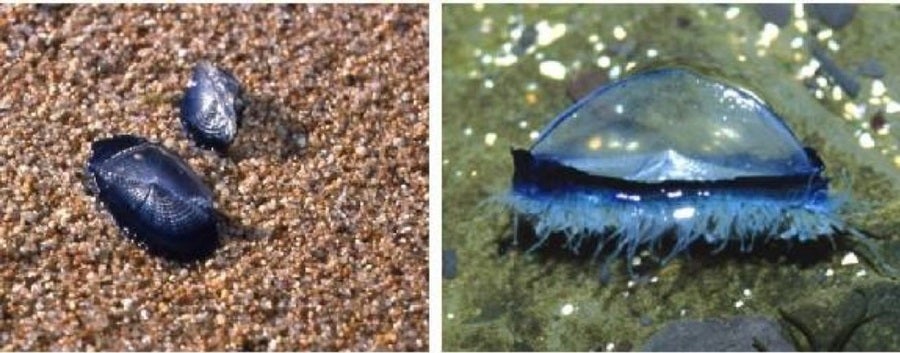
[(671, 153), (154, 196), (212, 107)]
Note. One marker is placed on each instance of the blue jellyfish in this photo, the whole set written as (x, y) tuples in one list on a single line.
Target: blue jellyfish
[(671, 154)]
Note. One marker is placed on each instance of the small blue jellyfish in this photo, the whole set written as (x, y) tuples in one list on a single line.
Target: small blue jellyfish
[(212, 107), (671, 154), (155, 196)]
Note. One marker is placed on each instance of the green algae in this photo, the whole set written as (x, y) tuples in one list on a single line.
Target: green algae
[(509, 300)]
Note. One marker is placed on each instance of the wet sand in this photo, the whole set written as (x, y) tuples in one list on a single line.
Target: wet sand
[(325, 186)]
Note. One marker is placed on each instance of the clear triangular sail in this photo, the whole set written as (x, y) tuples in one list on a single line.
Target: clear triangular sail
[(673, 125)]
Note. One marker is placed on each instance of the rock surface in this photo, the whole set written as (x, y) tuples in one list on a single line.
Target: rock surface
[(737, 334), (448, 262), (835, 16), (779, 14)]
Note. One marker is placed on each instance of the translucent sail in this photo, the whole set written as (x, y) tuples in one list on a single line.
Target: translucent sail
[(673, 125)]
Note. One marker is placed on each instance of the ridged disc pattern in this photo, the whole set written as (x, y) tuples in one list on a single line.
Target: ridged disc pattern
[(212, 106), (155, 196)]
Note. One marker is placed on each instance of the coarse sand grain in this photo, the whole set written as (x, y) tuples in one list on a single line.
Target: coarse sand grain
[(325, 187)]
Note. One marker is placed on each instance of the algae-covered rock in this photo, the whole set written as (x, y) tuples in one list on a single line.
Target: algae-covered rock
[(864, 318)]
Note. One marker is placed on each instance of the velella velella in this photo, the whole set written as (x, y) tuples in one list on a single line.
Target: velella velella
[(212, 107), (154, 196), (670, 153)]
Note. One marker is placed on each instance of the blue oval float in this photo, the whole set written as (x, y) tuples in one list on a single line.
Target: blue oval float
[(212, 107), (671, 153), (155, 196)]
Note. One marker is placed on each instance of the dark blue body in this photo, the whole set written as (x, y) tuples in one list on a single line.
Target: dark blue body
[(212, 107), (545, 178), (155, 197), (670, 153)]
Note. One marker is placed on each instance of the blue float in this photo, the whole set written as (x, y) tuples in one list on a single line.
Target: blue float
[(671, 154), (212, 107), (154, 196)]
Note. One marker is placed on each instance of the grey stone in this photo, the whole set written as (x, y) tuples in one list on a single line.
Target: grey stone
[(864, 318), (835, 16), (529, 36), (448, 260), (779, 14), (871, 68), (736, 334), (849, 84), (623, 49)]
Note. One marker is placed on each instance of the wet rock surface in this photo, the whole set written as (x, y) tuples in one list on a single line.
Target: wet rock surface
[(448, 264), (779, 14), (872, 68), (843, 79), (864, 318), (736, 334), (835, 16)]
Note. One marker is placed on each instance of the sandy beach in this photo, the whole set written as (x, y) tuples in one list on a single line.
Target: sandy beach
[(325, 187)]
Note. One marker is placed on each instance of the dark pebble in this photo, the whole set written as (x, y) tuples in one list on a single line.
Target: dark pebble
[(849, 84), (448, 264), (682, 22), (878, 121), (529, 36), (810, 82), (52, 7), (736, 334), (154, 197), (623, 49), (319, 254), (779, 14), (835, 16), (871, 68)]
